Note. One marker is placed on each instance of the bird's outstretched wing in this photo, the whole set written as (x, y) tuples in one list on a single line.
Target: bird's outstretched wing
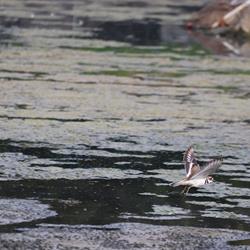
[(190, 163), (210, 168)]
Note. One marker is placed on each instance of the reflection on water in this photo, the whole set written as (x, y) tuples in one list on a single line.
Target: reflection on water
[(98, 101), (149, 29)]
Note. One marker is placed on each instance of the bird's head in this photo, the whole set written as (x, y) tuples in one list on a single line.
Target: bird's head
[(210, 179)]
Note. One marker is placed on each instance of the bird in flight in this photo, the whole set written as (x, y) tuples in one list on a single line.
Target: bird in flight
[(195, 175)]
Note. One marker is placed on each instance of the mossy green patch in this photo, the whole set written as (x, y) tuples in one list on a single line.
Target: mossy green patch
[(227, 72), (194, 50), (172, 74), (227, 88), (121, 73), (133, 73)]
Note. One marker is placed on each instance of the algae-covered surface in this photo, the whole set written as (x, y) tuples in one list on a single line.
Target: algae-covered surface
[(98, 101)]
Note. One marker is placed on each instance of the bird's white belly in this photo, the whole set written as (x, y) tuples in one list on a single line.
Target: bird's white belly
[(196, 182)]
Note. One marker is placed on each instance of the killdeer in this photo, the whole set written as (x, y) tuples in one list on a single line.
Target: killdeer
[(195, 175)]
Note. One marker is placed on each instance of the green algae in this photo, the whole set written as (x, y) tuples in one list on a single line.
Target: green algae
[(227, 72), (133, 73), (120, 73), (227, 89), (194, 50)]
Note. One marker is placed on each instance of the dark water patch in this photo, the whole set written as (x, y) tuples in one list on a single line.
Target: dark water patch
[(139, 161), (220, 208), (245, 242), (123, 139), (126, 196), (240, 183), (15, 227), (22, 106), (196, 127), (136, 32), (45, 118), (204, 222), (203, 203), (66, 89), (98, 202), (227, 121), (186, 96), (8, 22), (17, 106), (40, 152), (184, 8), (162, 13), (6, 38), (111, 119), (110, 201), (143, 94), (36, 74), (149, 120), (151, 32), (148, 103), (233, 157), (12, 78), (247, 121), (40, 167), (130, 4), (92, 156), (11, 43), (147, 31)]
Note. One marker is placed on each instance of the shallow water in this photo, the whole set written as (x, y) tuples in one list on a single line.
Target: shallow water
[(98, 102)]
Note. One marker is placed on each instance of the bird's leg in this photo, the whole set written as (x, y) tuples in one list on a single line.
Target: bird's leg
[(184, 190), (188, 189)]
